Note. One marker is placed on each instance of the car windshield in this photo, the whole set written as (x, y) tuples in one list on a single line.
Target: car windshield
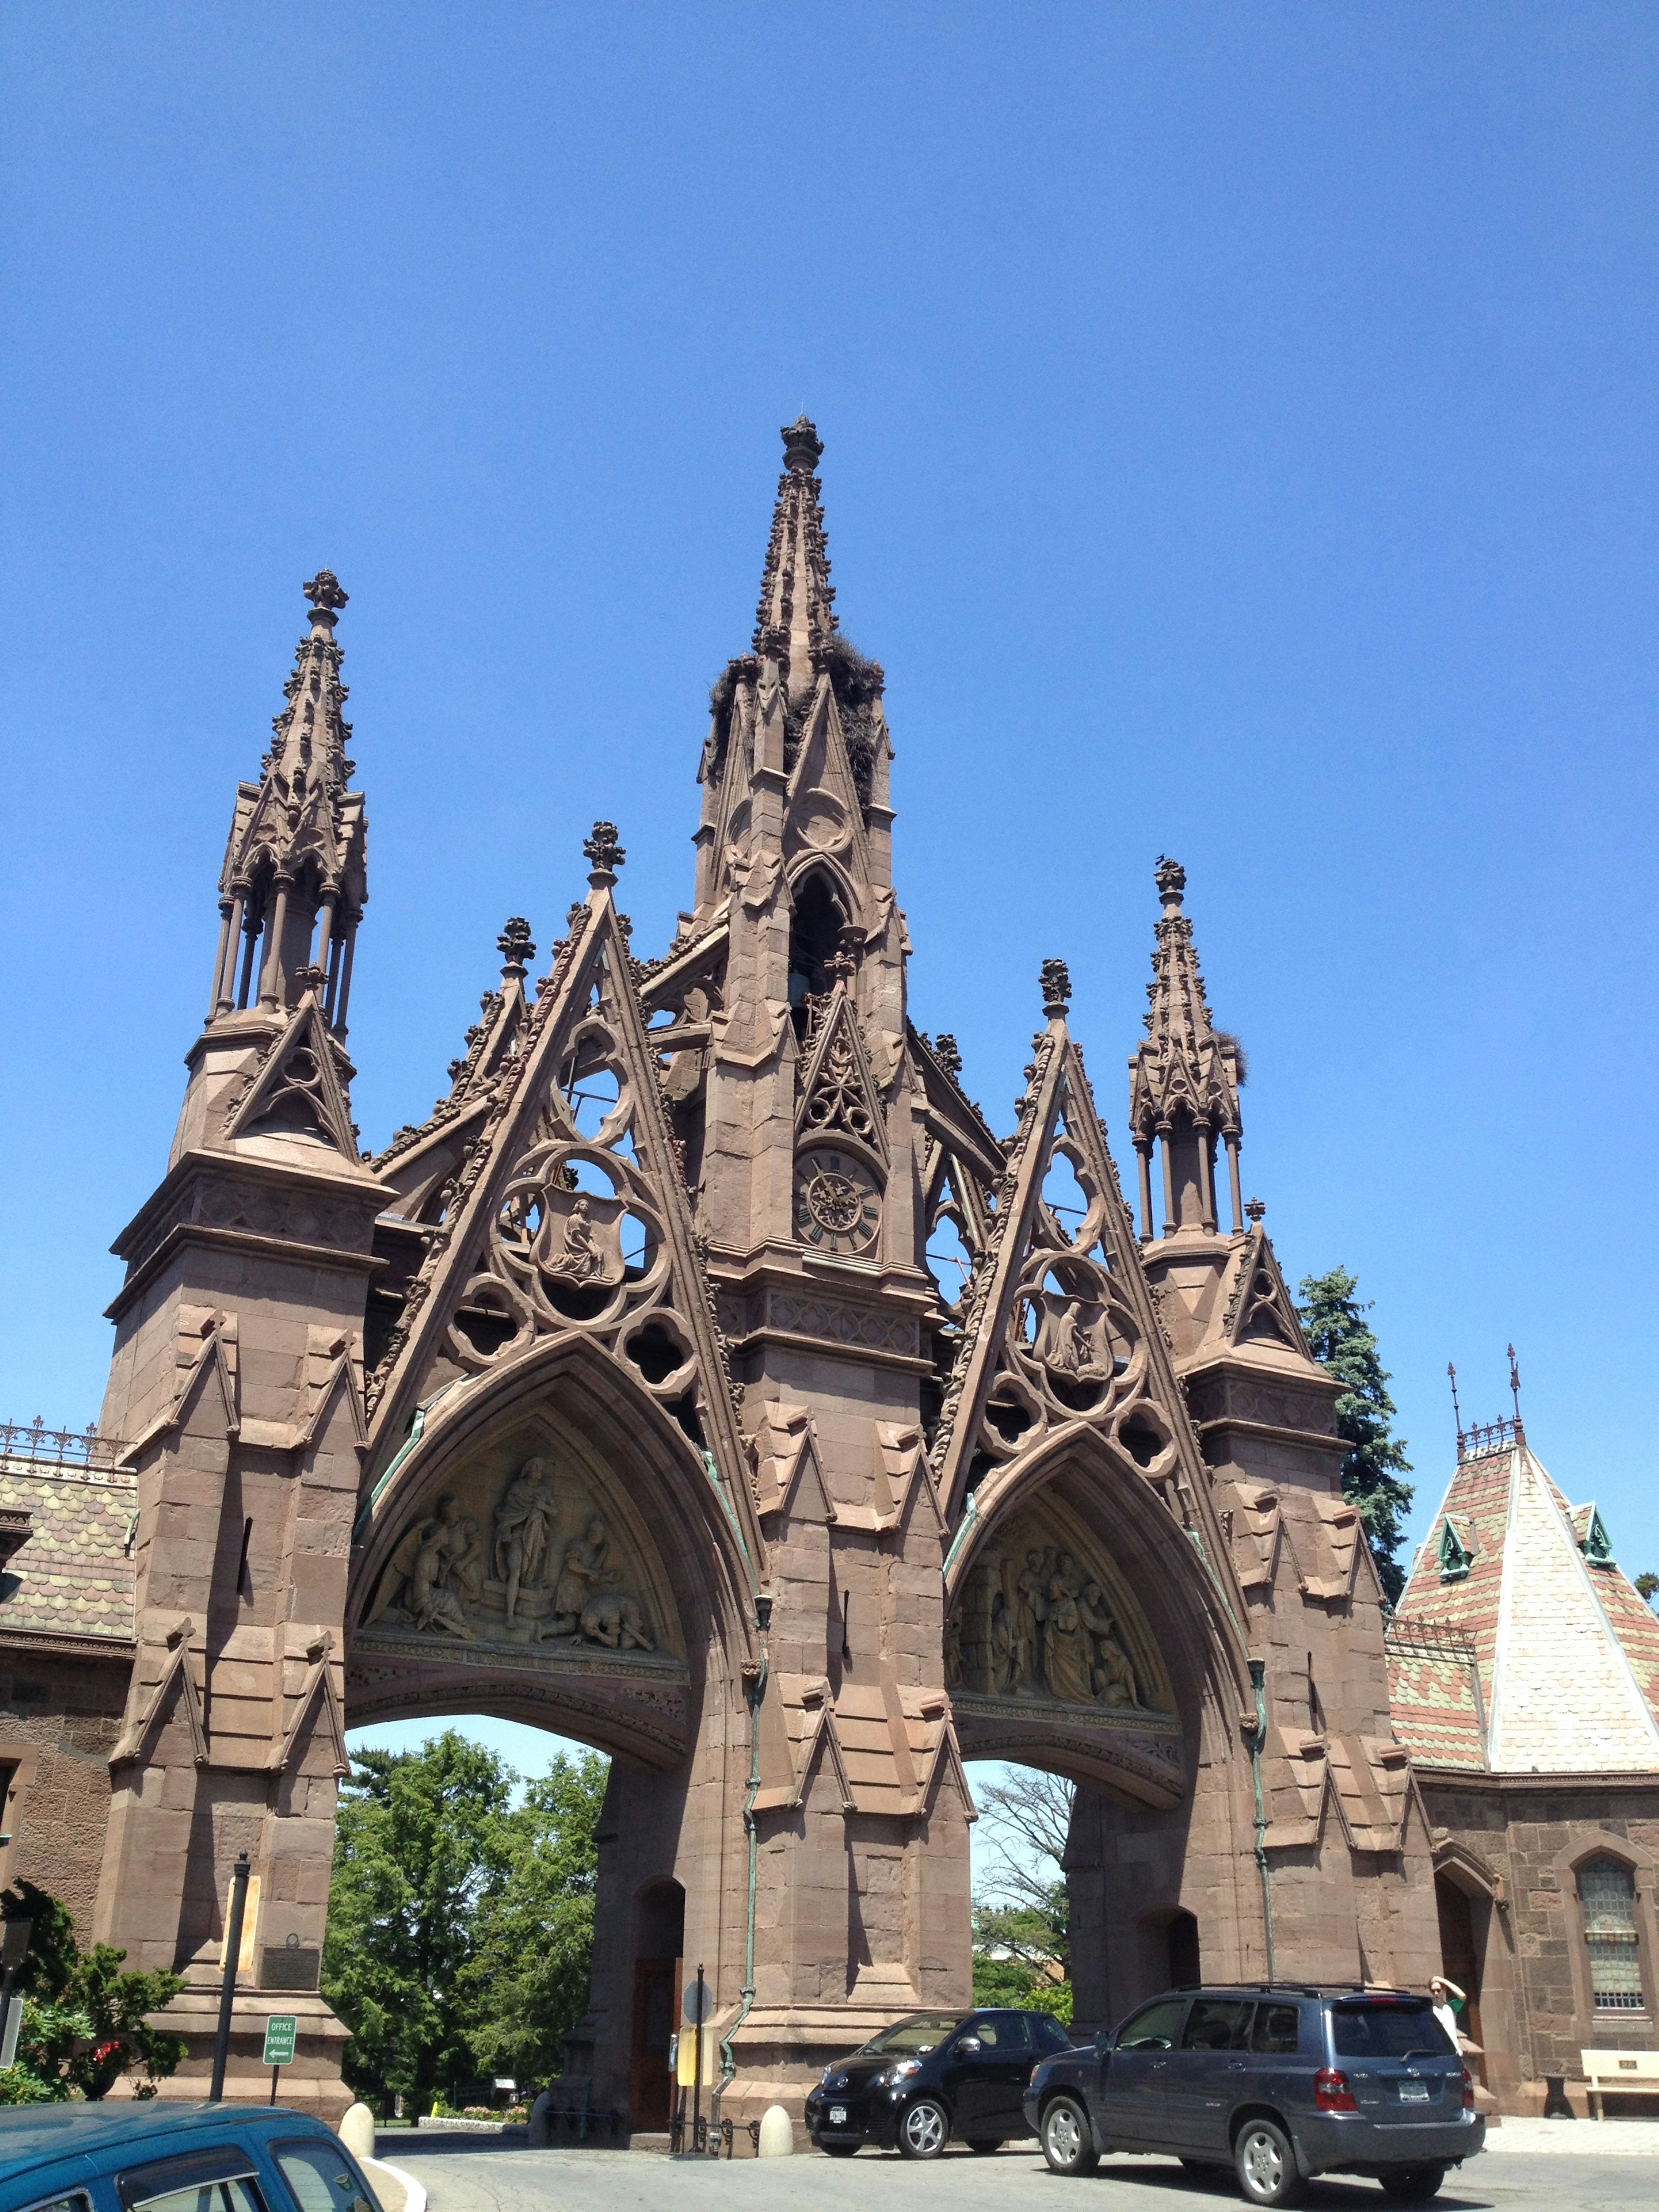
[(1388, 2031), (923, 2032)]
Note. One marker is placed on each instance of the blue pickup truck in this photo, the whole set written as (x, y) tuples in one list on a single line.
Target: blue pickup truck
[(163, 2156), (1281, 2083)]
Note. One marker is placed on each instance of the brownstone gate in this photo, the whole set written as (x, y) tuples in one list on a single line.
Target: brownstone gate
[(622, 1394)]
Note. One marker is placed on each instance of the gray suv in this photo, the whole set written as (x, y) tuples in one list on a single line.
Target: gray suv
[(1281, 2083)]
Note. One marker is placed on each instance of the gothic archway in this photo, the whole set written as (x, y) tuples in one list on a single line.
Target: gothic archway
[(556, 1551)]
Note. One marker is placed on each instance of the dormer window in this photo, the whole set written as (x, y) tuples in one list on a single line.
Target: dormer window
[(1598, 1549), (1455, 1556), (16, 1524)]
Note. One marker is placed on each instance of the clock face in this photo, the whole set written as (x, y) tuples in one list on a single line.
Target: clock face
[(837, 1201)]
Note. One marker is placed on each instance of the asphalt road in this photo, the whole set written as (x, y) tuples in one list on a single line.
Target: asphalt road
[(480, 2177)]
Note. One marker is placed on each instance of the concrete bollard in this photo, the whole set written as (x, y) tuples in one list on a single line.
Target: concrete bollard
[(540, 2134), (777, 2137), (357, 2131)]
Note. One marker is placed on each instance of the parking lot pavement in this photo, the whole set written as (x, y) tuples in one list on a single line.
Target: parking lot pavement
[(480, 2176)]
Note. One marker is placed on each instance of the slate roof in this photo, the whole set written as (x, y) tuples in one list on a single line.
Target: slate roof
[(73, 1576), (1512, 1650)]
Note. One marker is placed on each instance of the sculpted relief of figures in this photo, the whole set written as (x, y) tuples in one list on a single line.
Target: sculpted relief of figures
[(555, 1571), (1039, 1620)]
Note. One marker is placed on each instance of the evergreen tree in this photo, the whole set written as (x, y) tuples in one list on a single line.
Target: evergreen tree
[(1341, 1338)]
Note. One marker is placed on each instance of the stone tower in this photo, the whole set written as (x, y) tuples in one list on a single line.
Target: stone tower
[(628, 1393), (237, 1384)]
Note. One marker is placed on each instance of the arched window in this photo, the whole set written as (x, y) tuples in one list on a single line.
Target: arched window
[(1607, 1891)]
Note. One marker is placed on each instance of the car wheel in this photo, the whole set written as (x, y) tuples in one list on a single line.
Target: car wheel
[(925, 2130), (1068, 2142), (982, 2146), (1415, 2185), (1266, 2165), (839, 2150)]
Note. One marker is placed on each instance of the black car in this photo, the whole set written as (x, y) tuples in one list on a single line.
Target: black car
[(1280, 2082), (933, 2076)]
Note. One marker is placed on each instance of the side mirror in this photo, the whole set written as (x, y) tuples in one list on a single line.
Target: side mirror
[(969, 2047), (1103, 2040)]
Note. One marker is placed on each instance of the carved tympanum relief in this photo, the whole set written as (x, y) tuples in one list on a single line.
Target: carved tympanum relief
[(1046, 1615), (535, 1548)]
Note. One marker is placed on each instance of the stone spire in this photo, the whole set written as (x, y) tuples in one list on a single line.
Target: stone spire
[(1184, 1079), (292, 886), (796, 616), (797, 727)]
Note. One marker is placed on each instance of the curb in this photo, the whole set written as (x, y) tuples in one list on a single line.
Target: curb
[(414, 2191)]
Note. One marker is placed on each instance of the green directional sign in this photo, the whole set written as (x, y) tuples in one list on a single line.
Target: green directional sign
[(281, 2029)]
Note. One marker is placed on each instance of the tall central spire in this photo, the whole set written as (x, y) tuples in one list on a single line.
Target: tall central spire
[(796, 616)]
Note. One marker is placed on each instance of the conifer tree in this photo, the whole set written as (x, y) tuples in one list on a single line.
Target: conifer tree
[(1341, 1338)]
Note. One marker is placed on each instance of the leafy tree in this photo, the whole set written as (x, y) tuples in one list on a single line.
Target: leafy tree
[(459, 1930), (84, 2019), (1342, 1340), (1646, 1585), (1022, 1917), (419, 1840), (528, 1976)]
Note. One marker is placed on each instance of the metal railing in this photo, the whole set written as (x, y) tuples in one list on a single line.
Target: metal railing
[(1490, 1437), (67, 1451), (1432, 1638)]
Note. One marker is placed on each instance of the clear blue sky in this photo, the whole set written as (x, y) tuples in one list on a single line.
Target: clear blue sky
[(1241, 434)]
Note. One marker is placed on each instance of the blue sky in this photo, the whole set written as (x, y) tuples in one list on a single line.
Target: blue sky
[(1240, 443)]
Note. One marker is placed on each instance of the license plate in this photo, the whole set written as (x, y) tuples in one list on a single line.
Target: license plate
[(838, 2116), (1414, 2092)]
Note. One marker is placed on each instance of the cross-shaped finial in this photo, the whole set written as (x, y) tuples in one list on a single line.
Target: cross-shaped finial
[(1255, 1209), (1055, 982)]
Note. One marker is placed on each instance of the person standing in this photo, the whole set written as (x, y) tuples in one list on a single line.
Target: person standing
[(1448, 2001)]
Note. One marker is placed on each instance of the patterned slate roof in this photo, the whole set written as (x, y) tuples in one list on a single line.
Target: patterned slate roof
[(1562, 1664), (73, 1577), (1438, 1700)]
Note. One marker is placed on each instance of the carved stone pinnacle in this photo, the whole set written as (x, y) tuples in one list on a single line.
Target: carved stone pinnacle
[(1171, 879), (802, 446), (325, 593), (604, 855), (1056, 985), (515, 945)]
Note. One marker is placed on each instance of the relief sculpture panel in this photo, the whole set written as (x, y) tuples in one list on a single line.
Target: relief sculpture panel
[(1045, 1616), (536, 1546)]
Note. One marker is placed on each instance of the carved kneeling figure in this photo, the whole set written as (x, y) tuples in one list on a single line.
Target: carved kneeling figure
[(613, 1619)]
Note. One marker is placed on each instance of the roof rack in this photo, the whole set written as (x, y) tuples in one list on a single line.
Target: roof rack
[(1301, 1989)]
